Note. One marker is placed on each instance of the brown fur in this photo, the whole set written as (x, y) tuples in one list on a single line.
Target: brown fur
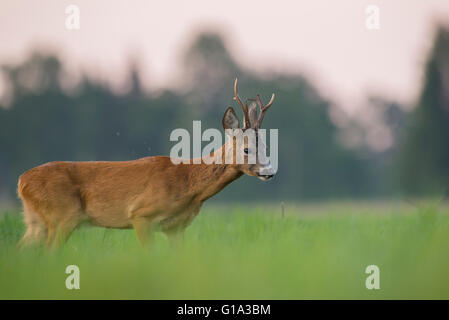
[(139, 194)]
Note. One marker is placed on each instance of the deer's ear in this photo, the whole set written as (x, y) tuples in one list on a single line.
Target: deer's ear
[(230, 120)]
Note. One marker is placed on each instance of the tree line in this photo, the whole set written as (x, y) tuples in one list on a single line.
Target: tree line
[(45, 122)]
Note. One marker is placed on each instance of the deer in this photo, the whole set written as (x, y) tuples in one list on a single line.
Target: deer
[(148, 194)]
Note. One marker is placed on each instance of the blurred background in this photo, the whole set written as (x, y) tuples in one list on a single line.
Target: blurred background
[(362, 114)]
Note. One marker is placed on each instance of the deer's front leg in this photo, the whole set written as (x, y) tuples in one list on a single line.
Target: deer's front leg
[(175, 237), (144, 227), (143, 219)]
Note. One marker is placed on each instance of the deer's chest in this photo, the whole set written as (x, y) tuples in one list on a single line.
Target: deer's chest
[(181, 218)]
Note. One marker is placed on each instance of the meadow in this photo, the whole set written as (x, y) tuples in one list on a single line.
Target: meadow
[(246, 252)]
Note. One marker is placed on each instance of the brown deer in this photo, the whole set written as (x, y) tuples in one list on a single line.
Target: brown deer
[(146, 194)]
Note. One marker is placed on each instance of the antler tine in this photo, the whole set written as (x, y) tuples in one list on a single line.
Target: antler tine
[(263, 109), (244, 107), (270, 102)]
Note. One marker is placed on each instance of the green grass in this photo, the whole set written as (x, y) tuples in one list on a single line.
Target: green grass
[(243, 252)]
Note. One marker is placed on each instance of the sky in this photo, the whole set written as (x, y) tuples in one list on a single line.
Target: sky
[(328, 41)]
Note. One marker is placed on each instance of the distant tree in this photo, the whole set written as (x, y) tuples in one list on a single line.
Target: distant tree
[(423, 160)]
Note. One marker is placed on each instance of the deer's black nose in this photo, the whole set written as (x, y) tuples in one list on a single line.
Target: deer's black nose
[(265, 177)]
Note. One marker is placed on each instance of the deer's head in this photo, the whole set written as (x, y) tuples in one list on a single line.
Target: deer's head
[(246, 145)]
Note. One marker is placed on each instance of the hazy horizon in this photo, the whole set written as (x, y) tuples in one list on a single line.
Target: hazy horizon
[(326, 41)]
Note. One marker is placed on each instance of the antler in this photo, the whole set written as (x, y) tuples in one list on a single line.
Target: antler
[(246, 123), (263, 109)]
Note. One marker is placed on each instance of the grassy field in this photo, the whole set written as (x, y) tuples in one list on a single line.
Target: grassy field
[(314, 251)]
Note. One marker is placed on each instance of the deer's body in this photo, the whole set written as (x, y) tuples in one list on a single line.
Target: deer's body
[(145, 194), (59, 196)]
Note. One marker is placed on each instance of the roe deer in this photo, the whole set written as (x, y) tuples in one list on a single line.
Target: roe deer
[(145, 194)]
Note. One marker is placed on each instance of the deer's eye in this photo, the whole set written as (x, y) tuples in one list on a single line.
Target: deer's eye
[(245, 150)]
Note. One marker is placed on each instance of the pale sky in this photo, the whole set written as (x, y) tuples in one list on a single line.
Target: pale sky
[(326, 40)]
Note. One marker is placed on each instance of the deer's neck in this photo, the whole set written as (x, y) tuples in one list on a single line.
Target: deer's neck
[(212, 178)]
